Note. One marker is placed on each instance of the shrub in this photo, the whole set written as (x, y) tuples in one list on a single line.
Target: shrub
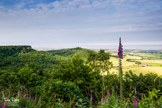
[(74, 71), (63, 90), (143, 83)]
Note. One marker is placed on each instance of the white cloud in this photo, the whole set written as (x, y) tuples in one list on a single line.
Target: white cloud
[(86, 18)]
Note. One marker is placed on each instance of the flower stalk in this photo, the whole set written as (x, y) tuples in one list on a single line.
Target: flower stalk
[(120, 55)]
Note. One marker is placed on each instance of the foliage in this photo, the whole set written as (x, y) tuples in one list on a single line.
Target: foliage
[(133, 60), (137, 62), (62, 90), (57, 84), (11, 50), (99, 60), (143, 83), (74, 71), (71, 52), (43, 59), (29, 76)]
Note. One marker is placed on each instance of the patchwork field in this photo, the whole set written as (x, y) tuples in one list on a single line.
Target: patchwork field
[(145, 58)]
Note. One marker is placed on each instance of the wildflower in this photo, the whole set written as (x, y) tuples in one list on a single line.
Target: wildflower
[(35, 97), (120, 54), (102, 100), (105, 99), (91, 98), (120, 49), (3, 106), (108, 93), (135, 101)]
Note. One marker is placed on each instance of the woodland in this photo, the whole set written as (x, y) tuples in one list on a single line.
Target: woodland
[(73, 78)]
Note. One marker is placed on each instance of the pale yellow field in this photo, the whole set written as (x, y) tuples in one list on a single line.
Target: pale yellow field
[(138, 70), (151, 61), (125, 63), (145, 70), (131, 57)]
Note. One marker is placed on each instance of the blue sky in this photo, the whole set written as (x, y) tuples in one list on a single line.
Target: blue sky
[(84, 23)]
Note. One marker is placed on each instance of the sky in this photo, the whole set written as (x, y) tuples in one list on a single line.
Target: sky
[(80, 23)]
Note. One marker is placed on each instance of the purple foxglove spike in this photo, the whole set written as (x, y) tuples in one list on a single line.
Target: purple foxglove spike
[(120, 49), (108, 94), (91, 98), (102, 100), (135, 101)]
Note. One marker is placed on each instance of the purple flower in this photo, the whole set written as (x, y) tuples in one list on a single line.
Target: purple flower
[(3, 106), (105, 99), (108, 93), (102, 100), (91, 98), (135, 101), (36, 98), (120, 49)]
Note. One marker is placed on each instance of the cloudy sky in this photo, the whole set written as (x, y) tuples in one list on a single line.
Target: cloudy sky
[(83, 23)]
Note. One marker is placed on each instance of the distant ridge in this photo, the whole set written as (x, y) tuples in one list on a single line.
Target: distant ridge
[(9, 50), (72, 52), (20, 46)]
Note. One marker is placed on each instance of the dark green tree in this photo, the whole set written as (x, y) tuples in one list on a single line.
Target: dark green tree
[(74, 71), (99, 60), (30, 76)]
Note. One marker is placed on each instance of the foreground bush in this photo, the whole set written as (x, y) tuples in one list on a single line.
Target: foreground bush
[(110, 100), (57, 89)]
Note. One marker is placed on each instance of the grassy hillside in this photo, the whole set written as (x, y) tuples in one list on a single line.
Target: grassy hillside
[(14, 57), (71, 52)]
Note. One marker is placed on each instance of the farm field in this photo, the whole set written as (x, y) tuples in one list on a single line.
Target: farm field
[(145, 58), (138, 70)]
